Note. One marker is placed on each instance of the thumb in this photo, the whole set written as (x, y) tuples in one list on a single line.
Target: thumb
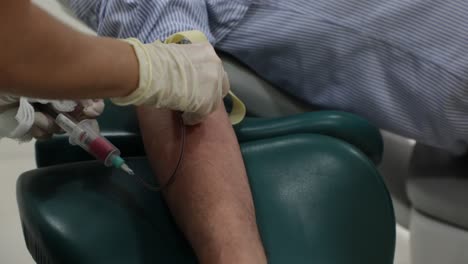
[(44, 126), (44, 122), (92, 108)]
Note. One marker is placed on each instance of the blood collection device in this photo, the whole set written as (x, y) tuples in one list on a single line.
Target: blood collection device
[(85, 135)]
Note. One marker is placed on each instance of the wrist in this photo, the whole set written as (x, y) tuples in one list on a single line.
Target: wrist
[(144, 72), (129, 72)]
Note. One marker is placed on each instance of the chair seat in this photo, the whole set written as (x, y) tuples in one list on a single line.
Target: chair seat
[(438, 185), (318, 200)]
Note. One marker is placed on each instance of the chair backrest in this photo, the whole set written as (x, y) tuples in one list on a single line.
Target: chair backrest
[(261, 98)]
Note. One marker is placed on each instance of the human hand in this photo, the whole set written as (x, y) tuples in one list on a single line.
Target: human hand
[(19, 120), (189, 78)]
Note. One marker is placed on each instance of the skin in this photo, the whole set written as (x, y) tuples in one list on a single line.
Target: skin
[(82, 66), (210, 198)]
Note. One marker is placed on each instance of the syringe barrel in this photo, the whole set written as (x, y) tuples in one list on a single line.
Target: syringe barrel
[(95, 144), (66, 123), (85, 135)]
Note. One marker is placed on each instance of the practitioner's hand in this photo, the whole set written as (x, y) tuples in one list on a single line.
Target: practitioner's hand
[(189, 78), (18, 120)]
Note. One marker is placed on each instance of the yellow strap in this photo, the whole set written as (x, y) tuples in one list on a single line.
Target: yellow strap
[(238, 111)]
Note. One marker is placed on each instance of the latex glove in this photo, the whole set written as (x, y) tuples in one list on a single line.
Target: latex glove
[(44, 125), (19, 120), (189, 78)]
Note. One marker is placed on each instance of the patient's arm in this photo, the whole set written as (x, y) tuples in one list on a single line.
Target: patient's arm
[(210, 198)]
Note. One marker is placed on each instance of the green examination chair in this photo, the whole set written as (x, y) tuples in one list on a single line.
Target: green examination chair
[(319, 199), (318, 196)]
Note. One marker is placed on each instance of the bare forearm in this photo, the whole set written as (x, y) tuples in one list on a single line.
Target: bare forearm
[(41, 57), (210, 197)]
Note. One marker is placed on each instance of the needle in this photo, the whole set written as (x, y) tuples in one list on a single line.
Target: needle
[(127, 169)]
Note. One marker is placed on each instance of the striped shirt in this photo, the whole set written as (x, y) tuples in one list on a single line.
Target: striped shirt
[(401, 64), (150, 20)]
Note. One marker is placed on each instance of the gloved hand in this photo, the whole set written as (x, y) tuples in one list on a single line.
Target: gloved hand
[(189, 78), (19, 120)]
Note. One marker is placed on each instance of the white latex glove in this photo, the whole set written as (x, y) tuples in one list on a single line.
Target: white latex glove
[(189, 78), (19, 120)]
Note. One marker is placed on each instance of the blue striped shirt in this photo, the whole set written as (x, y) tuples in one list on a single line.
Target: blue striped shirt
[(150, 20), (401, 64)]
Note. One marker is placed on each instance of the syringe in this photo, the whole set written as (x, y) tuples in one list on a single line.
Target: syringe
[(87, 137)]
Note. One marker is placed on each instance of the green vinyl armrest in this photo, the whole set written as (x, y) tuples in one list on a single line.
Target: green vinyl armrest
[(347, 127)]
